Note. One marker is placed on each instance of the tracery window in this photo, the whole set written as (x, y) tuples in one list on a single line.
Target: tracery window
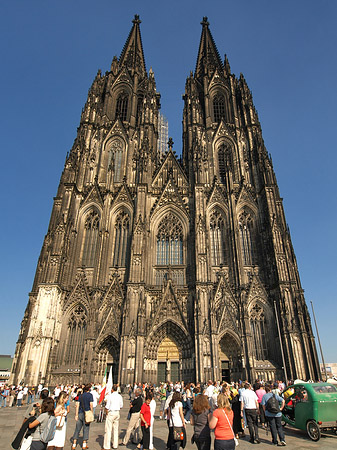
[(258, 329), (74, 343), (225, 160), (140, 104), (91, 227), (170, 241), (246, 232), (122, 106), (217, 233), (218, 107), (115, 159), (122, 227)]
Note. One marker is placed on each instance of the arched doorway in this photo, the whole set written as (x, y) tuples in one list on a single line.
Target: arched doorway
[(108, 357), (168, 361), (169, 352), (230, 358)]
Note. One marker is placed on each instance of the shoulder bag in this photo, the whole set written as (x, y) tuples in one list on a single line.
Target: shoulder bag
[(230, 426)]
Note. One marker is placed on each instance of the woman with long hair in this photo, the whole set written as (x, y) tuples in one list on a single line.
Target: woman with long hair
[(200, 420), (221, 421), (47, 410), (188, 402), (176, 419), (60, 413)]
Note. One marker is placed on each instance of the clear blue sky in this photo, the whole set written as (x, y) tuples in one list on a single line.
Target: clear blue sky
[(50, 53)]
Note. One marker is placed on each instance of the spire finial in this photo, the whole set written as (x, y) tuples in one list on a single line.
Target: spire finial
[(136, 20), (170, 143), (204, 22)]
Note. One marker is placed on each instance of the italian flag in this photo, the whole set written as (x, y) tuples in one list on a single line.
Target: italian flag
[(106, 386)]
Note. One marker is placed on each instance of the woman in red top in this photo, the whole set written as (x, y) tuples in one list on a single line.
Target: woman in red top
[(222, 422), (145, 421)]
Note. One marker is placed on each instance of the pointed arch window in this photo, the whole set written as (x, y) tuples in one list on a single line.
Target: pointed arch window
[(91, 227), (217, 234), (122, 106), (122, 229), (225, 160), (170, 241), (258, 329), (219, 103), (74, 343), (116, 159), (246, 243), (140, 105)]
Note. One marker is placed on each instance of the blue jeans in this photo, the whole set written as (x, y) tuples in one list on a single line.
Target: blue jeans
[(79, 424), (188, 409), (3, 401)]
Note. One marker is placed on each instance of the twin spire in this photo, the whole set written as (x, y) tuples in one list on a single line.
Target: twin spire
[(208, 60)]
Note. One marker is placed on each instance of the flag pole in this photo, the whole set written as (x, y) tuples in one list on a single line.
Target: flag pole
[(279, 335), (319, 341)]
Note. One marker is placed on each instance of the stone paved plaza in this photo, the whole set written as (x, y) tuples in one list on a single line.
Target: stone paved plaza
[(11, 419)]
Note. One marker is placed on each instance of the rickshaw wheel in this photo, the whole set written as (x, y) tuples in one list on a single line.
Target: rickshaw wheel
[(313, 430), (283, 423)]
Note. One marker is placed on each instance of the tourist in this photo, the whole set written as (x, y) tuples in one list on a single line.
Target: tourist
[(114, 403), (134, 422), (274, 417), (236, 408), (47, 410), (221, 421), (188, 402), (200, 421), (60, 413), (83, 403), (176, 419), (260, 392), (145, 422), (162, 397), (152, 410), (250, 405)]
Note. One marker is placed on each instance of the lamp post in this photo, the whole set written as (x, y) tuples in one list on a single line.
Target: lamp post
[(319, 341)]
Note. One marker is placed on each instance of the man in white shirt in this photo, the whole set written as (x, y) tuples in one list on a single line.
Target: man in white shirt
[(249, 403), (114, 403)]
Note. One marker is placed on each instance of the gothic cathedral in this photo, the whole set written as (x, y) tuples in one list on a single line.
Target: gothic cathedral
[(166, 268)]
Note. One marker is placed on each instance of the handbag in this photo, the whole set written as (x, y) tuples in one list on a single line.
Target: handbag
[(230, 426), (88, 415)]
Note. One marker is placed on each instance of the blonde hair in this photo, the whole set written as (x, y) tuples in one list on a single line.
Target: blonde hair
[(223, 402)]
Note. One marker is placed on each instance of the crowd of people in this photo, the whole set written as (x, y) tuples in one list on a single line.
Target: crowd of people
[(225, 408)]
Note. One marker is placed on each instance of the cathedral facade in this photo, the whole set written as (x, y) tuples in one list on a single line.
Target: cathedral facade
[(166, 268)]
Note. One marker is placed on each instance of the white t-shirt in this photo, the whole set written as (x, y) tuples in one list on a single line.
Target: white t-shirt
[(96, 396), (210, 390), (175, 415), (249, 398), (152, 409)]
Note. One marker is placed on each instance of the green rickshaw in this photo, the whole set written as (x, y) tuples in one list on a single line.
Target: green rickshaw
[(311, 407)]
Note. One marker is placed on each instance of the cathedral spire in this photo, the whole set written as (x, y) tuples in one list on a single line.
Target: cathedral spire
[(132, 55), (208, 56)]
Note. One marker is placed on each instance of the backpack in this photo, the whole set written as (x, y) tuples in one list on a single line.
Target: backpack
[(49, 431), (273, 405)]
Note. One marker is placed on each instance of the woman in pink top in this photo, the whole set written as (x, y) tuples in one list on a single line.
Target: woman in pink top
[(260, 393)]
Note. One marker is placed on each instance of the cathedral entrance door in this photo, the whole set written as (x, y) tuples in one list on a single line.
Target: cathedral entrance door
[(230, 359), (225, 372), (168, 361)]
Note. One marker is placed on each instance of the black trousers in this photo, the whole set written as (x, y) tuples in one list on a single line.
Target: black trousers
[(203, 444), (146, 437), (252, 417), (276, 428)]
